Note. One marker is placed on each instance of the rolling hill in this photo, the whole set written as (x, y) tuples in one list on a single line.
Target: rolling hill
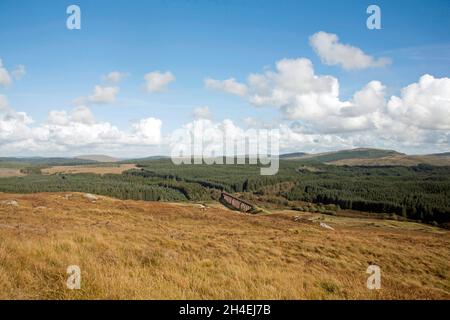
[(396, 160), (371, 157), (97, 157), (359, 153), (152, 250), (51, 161), (293, 155)]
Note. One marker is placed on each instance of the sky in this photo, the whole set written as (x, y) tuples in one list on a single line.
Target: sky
[(139, 71)]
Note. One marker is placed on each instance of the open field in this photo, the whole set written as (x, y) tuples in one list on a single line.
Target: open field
[(136, 249), (10, 172), (396, 160), (97, 169)]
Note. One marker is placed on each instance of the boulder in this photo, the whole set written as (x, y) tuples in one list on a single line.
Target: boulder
[(90, 197), (13, 203)]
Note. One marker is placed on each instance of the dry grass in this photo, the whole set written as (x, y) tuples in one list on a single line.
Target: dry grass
[(10, 172), (397, 160), (103, 169), (137, 250)]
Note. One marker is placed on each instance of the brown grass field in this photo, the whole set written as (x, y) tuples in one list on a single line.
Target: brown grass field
[(10, 172), (98, 169), (397, 160), (152, 250)]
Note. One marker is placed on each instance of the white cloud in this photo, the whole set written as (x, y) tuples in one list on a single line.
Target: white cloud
[(202, 113), (228, 85), (370, 99), (58, 117), (104, 94), (213, 135), (257, 123), (80, 114), (19, 72), (79, 129), (5, 78), (316, 117), (158, 81), (5, 75), (4, 105), (299, 93), (331, 52), (69, 132), (114, 77), (418, 119), (424, 104), (13, 125), (147, 131)]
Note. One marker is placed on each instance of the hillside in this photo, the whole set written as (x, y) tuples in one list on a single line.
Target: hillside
[(29, 161), (136, 249), (97, 157), (397, 160), (443, 154), (293, 155), (371, 157), (420, 193), (359, 153)]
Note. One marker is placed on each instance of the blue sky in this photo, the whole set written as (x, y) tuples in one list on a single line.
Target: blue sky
[(195, 40)]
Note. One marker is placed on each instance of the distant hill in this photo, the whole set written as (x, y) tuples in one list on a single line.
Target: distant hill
[(443, 154), (43, 161), (359, 153), (293, 155), (152, 158), (97, 157), (371, 157), (396, 160)]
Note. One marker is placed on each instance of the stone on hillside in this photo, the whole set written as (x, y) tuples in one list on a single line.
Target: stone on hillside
[(324, 225), (90, 197), (10, 203)]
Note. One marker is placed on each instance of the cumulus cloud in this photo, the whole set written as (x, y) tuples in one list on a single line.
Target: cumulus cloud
[(80, 114), (5, 78), (332, 52), (425, 104), (300, 94), (71, 131), (207, 137), (157, 81), (228, 85), (3, 103), (147, 131), (104, 94), (80, 129), (114, 77), (202, 113), (418, 118), (14, 126), (369, 99), (19, 72)]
